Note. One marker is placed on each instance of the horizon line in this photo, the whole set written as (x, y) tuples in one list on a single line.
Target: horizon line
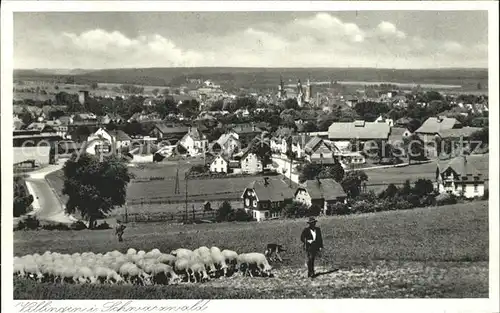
[(253, 67)]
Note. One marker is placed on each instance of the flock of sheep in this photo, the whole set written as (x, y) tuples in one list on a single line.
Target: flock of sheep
[(140, 267)]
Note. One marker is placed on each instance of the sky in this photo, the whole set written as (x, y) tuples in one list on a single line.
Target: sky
[(375, 39)]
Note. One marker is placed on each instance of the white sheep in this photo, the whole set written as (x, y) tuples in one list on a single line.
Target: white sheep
[(197, 266), (230, 256), (182, 253), (85, 274), (254, 260), (219, 261), (162, 272), (182, 267), (167, 259)]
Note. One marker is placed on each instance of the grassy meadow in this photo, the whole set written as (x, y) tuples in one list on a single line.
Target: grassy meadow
[(425, 252)]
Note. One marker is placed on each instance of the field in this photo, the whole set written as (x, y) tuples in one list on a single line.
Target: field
[(267, 77), (160, 196), (427, 252), (378, 179)]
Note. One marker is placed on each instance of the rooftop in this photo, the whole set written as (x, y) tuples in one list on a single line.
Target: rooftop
[(276, 189), (358, 130), (327, 189)]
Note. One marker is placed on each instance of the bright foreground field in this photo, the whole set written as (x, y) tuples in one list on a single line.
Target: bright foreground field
[(431, 252)]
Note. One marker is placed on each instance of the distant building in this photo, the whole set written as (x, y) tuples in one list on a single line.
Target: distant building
[(170, 132), (321, 192), (460, 178), (195, 142), (360, 130), (219, 165), (83, 96), (250, 162), (265, 198)]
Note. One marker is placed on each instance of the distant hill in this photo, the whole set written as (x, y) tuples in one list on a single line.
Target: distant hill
[(259, 77)]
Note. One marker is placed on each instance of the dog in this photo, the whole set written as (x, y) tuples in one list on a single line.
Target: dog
[(273, 251)]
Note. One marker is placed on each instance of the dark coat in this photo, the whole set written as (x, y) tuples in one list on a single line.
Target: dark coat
[(306, 235)]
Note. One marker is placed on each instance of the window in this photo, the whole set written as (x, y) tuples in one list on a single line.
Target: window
[(255, 203), (475, 188), (266, 214), (247, 202)]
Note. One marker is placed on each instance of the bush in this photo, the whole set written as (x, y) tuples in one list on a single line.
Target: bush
[(78, 225), (428, 201), (446, 198), (338, 208), (402, 204), (362, 206), (241, 215), (314, 210), (369, 197), (55, 226), (28, 223)]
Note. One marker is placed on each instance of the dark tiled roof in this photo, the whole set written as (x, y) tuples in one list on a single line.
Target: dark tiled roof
[(120, 135), (327, 189), (174, 129), (275, 190), (459, 165)]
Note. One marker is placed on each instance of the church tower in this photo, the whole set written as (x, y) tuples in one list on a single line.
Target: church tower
[(308, 96), (300, 94), (281, 90)]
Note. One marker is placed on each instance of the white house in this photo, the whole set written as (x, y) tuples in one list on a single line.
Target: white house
[(250, 163), (103, 140), (228, 143), (219, 165), (195, 142), (460, 178), (321, 192)]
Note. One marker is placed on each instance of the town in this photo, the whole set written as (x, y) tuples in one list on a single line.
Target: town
[(302, 144), (225, 153)]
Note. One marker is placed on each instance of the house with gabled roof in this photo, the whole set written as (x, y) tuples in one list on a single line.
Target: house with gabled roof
[(170, 132), (227, 144), (360, 130), (195, 142), (219, 164), (265, 197), (318, 150), (321, 192), (459, 177), (250, 162)]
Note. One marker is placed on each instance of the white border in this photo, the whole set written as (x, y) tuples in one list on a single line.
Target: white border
[(343, 305)]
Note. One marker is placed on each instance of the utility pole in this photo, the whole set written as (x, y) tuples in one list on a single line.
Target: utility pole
[(186, 196)]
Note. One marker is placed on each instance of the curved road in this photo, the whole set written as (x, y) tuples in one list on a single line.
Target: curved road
[(46, 205)]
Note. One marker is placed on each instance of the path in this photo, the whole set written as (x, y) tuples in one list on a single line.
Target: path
[(46, 205)]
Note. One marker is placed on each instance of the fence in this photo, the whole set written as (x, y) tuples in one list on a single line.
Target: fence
[(177, 217), (216, 196)]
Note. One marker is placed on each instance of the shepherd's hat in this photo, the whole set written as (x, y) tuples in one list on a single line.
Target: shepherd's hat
[(311, 220)]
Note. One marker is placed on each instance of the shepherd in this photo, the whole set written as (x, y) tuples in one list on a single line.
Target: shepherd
[(313, 243), (119, 229)]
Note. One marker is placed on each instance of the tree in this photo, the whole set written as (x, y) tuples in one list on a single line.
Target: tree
[(390, 192), (94, 86), (224, 211), (370, 110), (217, 105), (27, 118), (155, 91), (167, 107), (352, 183), (291, 103), (335, 171), (296, 210), (423, 187), (81, 133), (189, 108), (309, 127), (309, 171), (481, 136), (94, 187), (22, 198), (262, 148)]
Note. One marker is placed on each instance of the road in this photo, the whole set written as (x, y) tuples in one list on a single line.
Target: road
[(46, 205)]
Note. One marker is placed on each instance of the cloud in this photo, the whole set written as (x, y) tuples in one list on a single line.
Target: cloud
[(319, 40), (387, 28), (143, 50)]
